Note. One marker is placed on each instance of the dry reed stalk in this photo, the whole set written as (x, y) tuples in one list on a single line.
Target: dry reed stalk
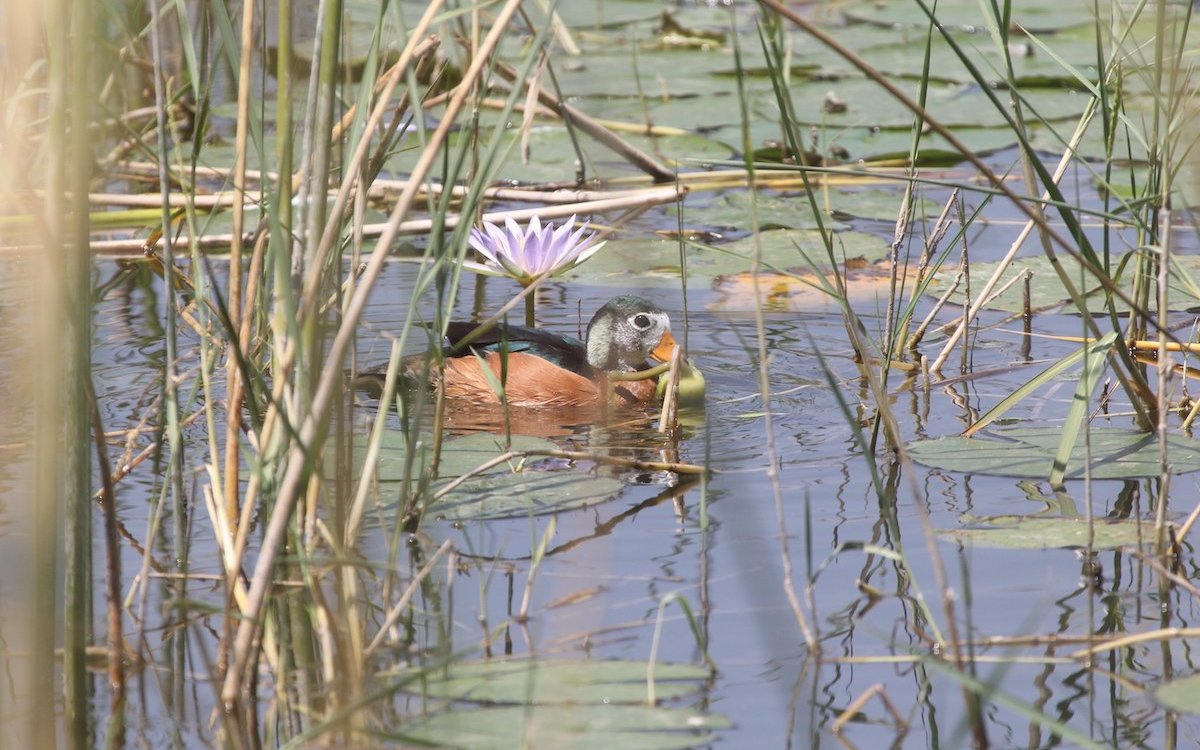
[(331, 375), (625, 200), (602, 135), (670, 406), (410, 591), (1131, 381), (233, 302), (852, 711), (114, 624), (986, 293), (411, 53), (940, 227)]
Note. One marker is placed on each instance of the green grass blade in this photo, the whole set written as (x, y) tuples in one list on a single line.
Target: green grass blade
[(1094, 357), (1036, 382), (990, 694)]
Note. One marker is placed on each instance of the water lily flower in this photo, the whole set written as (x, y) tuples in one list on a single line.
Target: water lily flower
[(527, 253)]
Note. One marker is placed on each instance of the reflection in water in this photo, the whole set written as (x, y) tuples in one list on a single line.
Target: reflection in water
[(865, 559)]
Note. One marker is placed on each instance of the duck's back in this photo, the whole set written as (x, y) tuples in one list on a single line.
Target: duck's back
[(540, 369), (566, 352)]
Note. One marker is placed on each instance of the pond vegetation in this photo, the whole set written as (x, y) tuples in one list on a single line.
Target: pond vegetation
[(897, 450)]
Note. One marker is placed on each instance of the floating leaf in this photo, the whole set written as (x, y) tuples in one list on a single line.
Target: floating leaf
[(1045, 288), (575, 703), (1029, 452), (523, 494), (553, 155), (781, 247), (655, 263), (881, 205), (1048, 532), (459, 456), (866, 282), (1182, 694), (774, 211), (464, 454), (561, 681), (578, 727), (498, 492), (967, 17), (867, 106)]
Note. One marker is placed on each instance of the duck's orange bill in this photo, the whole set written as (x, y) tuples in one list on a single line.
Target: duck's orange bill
[(666, 347)]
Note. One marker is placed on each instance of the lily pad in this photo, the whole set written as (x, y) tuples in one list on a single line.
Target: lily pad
[(499, 492), (460, 455), (464, 454), (1033, 70), (781, 247), (966, 16), (522, 494), (957, 105), (1182, 694), (879, 205), (552, 155), (1029, 452), (1050, 532), (582, 727), (655, 263), (561, 681), (577, 703), (793, 210), (736, 209), (1045, 288)]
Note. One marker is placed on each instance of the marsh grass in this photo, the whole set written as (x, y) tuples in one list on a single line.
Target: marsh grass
[(273, 328), (285, 490), (1143, 284)]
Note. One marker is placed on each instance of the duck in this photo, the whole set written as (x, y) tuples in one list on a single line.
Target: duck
[(542, 369)]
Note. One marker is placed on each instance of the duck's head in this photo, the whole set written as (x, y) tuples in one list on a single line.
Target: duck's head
[(626, 331)]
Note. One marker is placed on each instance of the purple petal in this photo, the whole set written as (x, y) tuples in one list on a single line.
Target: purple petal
[(561, 244), (580, 243), (545, 257), (591, 249), (482, 243), (515, 243)]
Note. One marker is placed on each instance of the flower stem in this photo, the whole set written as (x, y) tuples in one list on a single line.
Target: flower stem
[(529, 306)]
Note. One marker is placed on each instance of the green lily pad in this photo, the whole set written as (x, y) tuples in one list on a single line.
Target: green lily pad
[(460, 455), (499, 492), (552, 156), (464, 454), (966, 16), (561, 681), (879, 205), (1029, 452), (781, 248), (579, 727), (956, 105), (1181, 694), (655, 263), (576, 703), (1050, 532), (793, 210), (593, 17), (1045, 288), (1032, 71), (846, 143), (522, 494), (736, 209)]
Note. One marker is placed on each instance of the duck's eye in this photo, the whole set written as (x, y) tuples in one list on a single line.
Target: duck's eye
[(641, 321)]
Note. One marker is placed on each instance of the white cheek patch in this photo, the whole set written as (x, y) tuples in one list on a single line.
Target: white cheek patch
[(601, 354)]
